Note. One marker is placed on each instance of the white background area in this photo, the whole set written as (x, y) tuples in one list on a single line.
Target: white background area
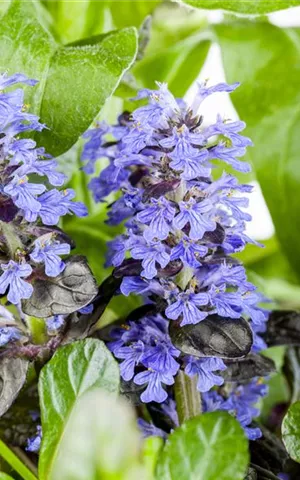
[(261, 226)]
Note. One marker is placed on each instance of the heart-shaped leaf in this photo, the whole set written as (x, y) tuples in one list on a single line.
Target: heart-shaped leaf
[(249, 367), (213, 337), (101, 441), (74, 81), (73, 370), (208, 447), (13, 373), (73, 289)]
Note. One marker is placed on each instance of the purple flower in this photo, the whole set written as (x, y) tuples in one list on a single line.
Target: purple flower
[(111, 178), (150, 430), (192, 167), (183, 142), (48, 251), (204, 368), (86, 310), (24, 194), (139, 286), (125, 206), (45, 168), (258, 315), (12, 278), (55, 323), (158, 216), (34, 443), (162, 107), (69, 207), (154, 391), (50, 208), (161, 358), (227, 304), (131, 357), (189, 251), (204, 92), (150, 254), (138, 138), (54, 204), (228, 155), (9, 334), (22, 151), (116, 251), (187, 306), (195, 214), (6, 81), (229, 130)]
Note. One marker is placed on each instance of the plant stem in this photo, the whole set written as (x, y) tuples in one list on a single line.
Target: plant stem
[(11, 237), (187, 397), (37, 327), (15, 462)]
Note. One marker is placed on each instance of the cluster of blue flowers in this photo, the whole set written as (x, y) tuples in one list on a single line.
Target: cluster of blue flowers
[(181, 229), (25, 204)]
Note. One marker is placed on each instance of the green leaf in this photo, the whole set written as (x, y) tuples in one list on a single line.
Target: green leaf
[(74, 20), (101, 441), (8, 455), (253, 54), (73, 370), (291, 431), (256, 7), (74, 81), (4, 476), (152, 448), (125, 13), (177, 49), (208, 447)]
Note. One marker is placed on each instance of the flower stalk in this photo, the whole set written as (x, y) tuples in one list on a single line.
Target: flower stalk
[(187, 397), (181, 228)]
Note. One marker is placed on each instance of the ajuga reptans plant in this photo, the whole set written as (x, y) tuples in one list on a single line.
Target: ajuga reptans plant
[(31, 204), (31, 243), (182, 228)]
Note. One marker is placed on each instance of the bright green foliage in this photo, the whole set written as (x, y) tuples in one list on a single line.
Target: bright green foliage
[(208, 447), (74, 81), (73, 370), (250, 7), (73, 20), (291, 431), (179, 43), (11, 459)]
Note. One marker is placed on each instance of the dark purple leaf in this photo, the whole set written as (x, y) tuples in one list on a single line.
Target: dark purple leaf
[(73, 289), (8, 209), (251, 366), (283, 328), (213, 337)]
